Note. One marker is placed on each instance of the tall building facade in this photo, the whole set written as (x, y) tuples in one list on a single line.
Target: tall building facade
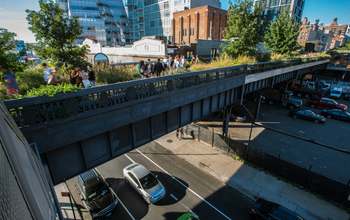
[(202, 23), (273, 7), (102, 20), (153, 17)]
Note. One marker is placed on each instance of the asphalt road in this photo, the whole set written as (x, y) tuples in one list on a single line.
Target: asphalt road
[(322, 160), (187, 189)]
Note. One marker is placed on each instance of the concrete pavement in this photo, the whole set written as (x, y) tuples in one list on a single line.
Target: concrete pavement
[(250, 181), (65, 204)]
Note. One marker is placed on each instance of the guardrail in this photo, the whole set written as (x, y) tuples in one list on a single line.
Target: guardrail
[(36, 110), (267, 66)]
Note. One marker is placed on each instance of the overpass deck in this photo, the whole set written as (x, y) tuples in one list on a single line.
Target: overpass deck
[(67, 128)]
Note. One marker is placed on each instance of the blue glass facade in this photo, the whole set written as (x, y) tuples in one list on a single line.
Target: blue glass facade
[(102, 20)]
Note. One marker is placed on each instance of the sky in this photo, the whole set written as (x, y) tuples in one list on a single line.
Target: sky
[(13, 15)]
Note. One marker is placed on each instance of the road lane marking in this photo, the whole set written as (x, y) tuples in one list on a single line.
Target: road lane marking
[(173, 197), (183, 185), (132, 217), (129, 158)]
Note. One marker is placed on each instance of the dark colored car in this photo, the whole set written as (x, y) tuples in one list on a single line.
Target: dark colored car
[(347, 95), (263, 209), (235, 115), (337, 114), (307, 114)]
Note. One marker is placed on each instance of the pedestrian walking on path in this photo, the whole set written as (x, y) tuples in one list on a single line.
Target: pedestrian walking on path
[(177, 134), (181, 133)]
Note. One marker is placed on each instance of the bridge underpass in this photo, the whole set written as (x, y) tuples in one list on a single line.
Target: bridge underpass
[(77, 131)]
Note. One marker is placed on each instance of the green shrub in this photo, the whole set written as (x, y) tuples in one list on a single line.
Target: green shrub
[(30, 79), (243, 59), (49, 90), (113, 74)]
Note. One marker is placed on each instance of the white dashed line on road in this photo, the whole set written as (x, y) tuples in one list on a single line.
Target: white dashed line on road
[(120, 201), (183, 184), (173, 197)]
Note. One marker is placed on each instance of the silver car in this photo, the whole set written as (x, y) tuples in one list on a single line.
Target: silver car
[(144, 182)]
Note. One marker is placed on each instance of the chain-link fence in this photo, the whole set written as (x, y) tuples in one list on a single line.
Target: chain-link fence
[(304, 177)]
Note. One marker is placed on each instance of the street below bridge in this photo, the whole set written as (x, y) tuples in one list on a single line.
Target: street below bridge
[(325, 161), (187, 189)]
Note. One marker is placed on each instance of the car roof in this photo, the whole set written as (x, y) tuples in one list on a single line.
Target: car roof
[(138, 170)]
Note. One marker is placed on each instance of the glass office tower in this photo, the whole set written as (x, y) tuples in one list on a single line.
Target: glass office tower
[(102, 20)]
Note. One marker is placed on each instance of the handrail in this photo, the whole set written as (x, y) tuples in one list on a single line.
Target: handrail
[(36, 110)]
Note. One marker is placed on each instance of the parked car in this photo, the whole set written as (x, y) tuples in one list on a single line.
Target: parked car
[(144, 182), (307, 114), (337, 114), (326, 103), (347, 95), (235, 115), (263, 209), (96, 194), (336, 93)]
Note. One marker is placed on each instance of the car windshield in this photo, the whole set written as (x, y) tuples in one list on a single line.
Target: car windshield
[(96, 191), (149, 181), (267, 207), (336, 92), (335, 103), (310, 113)]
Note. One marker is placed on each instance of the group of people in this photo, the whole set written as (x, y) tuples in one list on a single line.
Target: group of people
[(79, 77), (148, 69)]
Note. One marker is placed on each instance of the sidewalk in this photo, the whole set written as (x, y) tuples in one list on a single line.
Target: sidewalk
[(65, 204), (250, 181)]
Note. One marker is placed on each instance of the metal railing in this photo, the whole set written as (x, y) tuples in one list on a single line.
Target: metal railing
[(267, 66), (36, 110)]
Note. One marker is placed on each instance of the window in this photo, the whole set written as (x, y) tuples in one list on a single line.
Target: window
[(152, 23), (189, 54)]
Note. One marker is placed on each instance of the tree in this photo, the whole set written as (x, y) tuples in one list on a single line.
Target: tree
[(56, 34), (282, 33), (8, 56), (244, 23)]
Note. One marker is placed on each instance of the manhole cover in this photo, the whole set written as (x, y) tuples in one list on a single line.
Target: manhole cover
[(169, 141)]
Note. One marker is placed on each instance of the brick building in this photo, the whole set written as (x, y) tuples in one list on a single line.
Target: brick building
[(339, 30), (206, 23)]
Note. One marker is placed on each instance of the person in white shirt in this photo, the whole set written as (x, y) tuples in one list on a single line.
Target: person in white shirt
[(183, 62), (165, 63), (47, 72)]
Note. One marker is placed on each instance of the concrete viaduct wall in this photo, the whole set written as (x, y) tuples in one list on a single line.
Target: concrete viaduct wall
[(77, 131)]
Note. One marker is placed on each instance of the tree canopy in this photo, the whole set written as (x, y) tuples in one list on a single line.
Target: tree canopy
[(56, 34), (244, 24), (282, 33), (8, 55)]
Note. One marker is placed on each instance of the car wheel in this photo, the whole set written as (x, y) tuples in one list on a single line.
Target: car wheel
[(316, 121), (295, 116), (328, 116), (299, 94), (291, 107), (312, 105), (263, 101), (270, 102), (307, 96), (236, 120)]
